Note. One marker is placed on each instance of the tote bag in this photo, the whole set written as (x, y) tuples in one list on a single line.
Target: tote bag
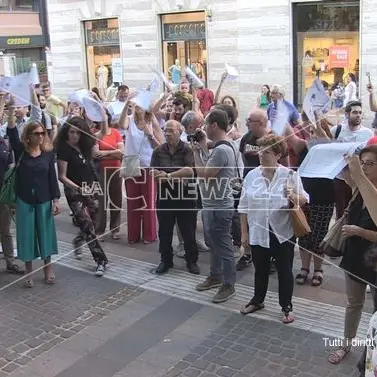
[(131, 164)]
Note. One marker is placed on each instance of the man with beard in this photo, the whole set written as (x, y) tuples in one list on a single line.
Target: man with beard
[(48, 120)]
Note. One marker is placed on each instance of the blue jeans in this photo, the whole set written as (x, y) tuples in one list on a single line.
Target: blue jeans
[(217, 225)]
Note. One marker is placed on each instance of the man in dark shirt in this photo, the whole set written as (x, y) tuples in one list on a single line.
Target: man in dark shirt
[(173, 166), (6, 159)]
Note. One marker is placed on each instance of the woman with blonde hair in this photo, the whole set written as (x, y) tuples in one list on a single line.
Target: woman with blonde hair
[(37, 196), (143, 134)]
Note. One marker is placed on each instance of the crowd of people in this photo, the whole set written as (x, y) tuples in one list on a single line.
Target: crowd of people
[(192, 157)]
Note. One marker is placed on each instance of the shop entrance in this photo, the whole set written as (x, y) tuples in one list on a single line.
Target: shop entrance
[(184, 45), (326, 44)]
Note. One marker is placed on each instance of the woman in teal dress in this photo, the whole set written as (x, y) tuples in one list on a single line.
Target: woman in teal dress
[(265, 98), (37, 197)]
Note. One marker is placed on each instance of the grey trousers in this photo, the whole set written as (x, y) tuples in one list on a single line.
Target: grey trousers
[(5, 236), (217, 225)]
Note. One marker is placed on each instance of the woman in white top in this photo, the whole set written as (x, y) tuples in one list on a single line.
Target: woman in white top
[(350, 90), (267, 194), (143, 134)]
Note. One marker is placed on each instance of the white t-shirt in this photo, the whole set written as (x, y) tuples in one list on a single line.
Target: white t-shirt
[(346, 135)]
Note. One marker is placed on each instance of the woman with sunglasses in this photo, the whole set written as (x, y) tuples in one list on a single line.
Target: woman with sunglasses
[(74, 146), (37, 196)]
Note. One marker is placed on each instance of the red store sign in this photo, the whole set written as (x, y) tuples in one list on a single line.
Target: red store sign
[(339, 57)]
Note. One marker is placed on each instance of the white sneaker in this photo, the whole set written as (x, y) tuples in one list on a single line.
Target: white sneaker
[(100, 270), (202, 247), (180, 252), (368, 288)]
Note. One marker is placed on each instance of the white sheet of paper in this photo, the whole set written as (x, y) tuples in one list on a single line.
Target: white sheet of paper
[(93, 109), (20, 89), (281, 119), (34, 76), (316, 99), (231, 71), (154, 85), (326, 160), (5, 82), (193, 78), (78, 96), (143, 99), (166, 81)]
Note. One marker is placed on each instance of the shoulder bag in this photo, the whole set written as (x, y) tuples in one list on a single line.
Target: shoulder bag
[(8, 194), (131, 164), (333, 243)]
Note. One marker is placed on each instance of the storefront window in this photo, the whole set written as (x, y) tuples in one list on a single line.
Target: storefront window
[(326, 43), (102, 51), (184, 44)]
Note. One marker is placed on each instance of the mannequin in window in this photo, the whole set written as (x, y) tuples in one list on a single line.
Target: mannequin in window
[(102, 79), (175, 72)]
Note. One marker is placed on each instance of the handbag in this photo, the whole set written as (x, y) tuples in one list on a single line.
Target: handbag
[(333, 243), (131, 165), (299, 222), (8, 194)]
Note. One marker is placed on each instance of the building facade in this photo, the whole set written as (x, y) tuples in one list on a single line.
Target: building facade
[(23, 36), (284, 42)]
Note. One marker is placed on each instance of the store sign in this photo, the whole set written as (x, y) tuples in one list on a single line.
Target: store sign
[(339, 57), (22, 41), (101, 37), (184, 31)]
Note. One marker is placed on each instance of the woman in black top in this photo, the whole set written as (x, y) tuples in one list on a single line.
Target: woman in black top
[(320, 208), (360, 235), (74, 146), (37, 196)]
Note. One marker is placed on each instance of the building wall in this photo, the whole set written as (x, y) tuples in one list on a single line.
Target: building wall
[(254, 36)]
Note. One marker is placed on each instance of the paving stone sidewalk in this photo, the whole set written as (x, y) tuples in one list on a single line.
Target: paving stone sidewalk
[(32, 321), (249, 347)]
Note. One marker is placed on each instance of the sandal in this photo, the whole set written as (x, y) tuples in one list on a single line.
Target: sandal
[(15, 269), (338, 355), (51, 280), (251, 308), (288, 318), (301, 277), (28, 283), (317, 278)]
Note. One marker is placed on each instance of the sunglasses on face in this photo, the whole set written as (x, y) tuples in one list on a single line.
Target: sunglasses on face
[(39, 133)]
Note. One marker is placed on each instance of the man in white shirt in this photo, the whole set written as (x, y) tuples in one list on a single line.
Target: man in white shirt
[(115, 108), (351, 131)]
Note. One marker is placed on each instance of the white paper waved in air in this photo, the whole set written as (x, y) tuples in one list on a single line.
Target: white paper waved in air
[(154, 85), (34, 76), (5, 82), (326, 160), (78, 96), (143, 99), (231, 71), (316, 99), (20, 89), (194, 79), (280, 118), (93, 109)]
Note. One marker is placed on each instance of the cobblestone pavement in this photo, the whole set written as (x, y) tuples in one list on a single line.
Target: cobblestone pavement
[(32, 321), (249, 347)]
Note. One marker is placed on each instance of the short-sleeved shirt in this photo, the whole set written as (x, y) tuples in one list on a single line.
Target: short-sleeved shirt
[(109, 143), (79, 169), (53, 105), (217, 192), (272, 112), (347, 135), (164, 160)]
